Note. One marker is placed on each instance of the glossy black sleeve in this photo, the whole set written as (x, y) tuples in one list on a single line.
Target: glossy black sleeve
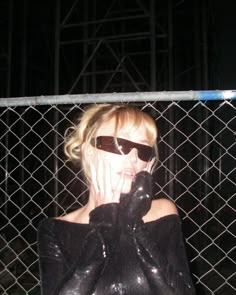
[(160, 249), (51, 259), (59, 278), (164, 262)]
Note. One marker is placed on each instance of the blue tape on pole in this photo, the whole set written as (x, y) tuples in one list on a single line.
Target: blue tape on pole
[(216, 95)]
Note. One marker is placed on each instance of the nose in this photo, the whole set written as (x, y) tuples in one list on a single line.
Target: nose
[(133, 155)]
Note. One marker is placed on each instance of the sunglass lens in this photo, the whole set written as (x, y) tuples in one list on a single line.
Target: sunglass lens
[(122, 146)]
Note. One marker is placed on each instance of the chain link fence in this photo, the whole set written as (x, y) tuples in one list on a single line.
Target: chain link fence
[(196, 170)]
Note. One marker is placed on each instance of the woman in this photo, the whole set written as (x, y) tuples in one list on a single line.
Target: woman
[(120, 242)]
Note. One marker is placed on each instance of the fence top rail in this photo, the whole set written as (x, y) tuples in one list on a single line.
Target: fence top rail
[(119, 97)]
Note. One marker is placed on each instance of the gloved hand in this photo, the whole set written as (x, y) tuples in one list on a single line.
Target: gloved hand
[(105, 214), (136, 204)]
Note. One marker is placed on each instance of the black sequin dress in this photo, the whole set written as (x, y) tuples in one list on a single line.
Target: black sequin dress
[(111, 255)]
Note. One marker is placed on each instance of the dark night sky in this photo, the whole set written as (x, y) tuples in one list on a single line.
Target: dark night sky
[(40, 21), (226, 43)]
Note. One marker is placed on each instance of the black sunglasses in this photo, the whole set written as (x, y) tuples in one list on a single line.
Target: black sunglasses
[(122, 146)]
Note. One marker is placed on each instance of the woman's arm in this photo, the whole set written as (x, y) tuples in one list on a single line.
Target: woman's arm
[(59, 278), (167, 275), (51, 259)]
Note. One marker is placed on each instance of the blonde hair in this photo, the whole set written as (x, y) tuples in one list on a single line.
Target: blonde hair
[(93, 118)]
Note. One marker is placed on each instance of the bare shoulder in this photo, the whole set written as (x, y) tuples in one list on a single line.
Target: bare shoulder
[(75, 216), (165, 206), (160, 208)]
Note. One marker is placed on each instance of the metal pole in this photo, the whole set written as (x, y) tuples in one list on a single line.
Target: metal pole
[(56, 91), (95, 28), (57, 49), (205, 45), (23, 47), (9, 61), (85, 45), (226, 96), (197, 47), (170, 47), (153, 46)]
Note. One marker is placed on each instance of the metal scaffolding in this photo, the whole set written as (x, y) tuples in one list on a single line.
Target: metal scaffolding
[(128, 46), (71, 47)]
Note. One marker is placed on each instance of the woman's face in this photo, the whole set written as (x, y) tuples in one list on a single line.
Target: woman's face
[(116, 165)]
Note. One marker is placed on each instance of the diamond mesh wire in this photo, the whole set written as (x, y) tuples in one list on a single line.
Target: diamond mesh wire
[(196, 170)]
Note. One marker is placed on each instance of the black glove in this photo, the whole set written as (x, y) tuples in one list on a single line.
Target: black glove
[(136, 204), (103, 220), (97, 247), (105, 214)]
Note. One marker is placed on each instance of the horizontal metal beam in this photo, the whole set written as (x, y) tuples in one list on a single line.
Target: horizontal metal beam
[(207, 95)]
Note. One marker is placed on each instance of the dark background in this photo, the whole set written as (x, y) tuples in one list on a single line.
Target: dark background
[(88, 46), (144, 45)]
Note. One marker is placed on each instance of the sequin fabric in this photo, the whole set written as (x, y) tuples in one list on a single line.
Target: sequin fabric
[(116, 253)]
